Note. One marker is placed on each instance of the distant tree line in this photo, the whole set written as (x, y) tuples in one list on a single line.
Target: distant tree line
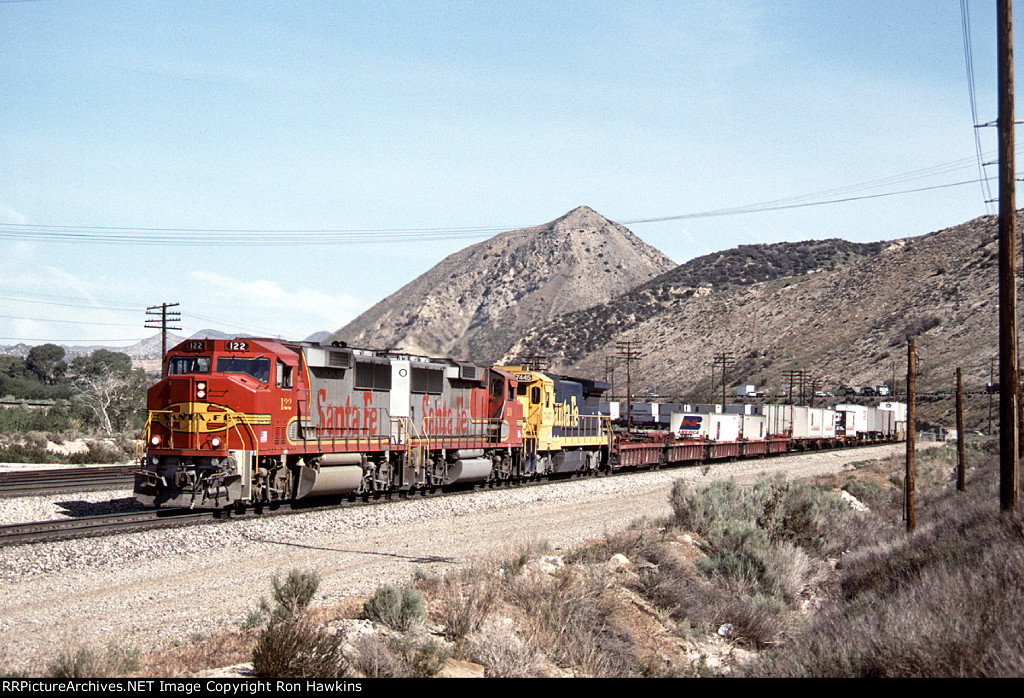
[(100, 391)]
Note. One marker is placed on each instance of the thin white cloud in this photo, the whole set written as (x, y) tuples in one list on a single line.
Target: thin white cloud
[(9, 215), (279, 306)]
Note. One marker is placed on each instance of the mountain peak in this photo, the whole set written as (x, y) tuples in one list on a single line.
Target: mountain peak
[(580, 217), (475, 303)]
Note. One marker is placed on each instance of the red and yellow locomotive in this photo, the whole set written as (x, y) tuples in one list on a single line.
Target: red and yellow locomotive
[(247, 421)]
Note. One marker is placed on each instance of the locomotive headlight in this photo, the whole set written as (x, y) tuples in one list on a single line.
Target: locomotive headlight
[(201, 389), (215, 442), (155, 441)]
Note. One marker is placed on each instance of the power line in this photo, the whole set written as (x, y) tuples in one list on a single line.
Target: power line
[(965, 23), (777, 206), (67, 322), (181, 236), (87, 342), (65, 302), (37, 299)]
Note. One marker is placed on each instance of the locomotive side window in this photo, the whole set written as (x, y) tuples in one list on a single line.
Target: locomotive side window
[(535, 395), (257, 368), (179, 365), (284, 375)]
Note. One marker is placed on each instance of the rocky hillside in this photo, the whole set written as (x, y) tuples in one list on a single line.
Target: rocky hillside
[(568, 338), (477, 302), (838, 311)]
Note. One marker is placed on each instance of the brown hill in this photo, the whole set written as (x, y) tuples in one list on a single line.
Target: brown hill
[(842, 313), (477, 302), (570, 337)]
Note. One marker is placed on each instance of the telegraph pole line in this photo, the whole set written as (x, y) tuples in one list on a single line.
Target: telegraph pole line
[(961, 452), (166, 318), (908, 482), (724, 359), (991, 387), (609, 375), (791, 376), (1009, 383), (629, 352), (535, 362)]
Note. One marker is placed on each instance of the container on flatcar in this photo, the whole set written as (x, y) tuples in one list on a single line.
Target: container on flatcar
[(714, 427)]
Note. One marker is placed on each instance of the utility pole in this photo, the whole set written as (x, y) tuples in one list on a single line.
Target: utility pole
[(724, 359), (991, 387), (792, 376), (533, 362), (908, 483), (163, 324), (961, 452), (609, 375), (1009, 383), (629, 352)]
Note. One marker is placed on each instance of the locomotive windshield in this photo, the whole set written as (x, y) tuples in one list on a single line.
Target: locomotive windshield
[(179, 365), (257, 368)]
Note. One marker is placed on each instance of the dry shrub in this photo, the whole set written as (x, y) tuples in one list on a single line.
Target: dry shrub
[(627, 543), (292, 595), (87, 662), (568, 618), (297, 648), (84, 662), (399, 610), (497, 646), (466, 600), (757, 621), (394, 658), (946, 601), (372, 657)]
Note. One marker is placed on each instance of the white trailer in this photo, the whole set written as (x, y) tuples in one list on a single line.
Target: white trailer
[(716, 427)]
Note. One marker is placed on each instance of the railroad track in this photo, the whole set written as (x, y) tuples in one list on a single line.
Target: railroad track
[(20, 483), (107, 524), (91, 526)]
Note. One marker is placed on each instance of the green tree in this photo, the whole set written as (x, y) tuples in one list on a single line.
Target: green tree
[(47, 362), (114, 392)]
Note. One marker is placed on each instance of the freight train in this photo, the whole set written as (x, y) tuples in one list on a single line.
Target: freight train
[(252, 421)]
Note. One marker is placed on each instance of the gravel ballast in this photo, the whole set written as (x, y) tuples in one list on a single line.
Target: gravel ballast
[(153, 589)]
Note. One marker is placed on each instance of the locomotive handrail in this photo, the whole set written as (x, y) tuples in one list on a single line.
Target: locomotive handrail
[(252, 434), (142, 445), (232, 422)]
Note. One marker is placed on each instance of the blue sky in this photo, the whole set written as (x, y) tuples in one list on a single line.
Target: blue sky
[(436, 124)]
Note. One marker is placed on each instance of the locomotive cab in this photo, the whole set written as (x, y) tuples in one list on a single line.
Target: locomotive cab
[(210, 417)]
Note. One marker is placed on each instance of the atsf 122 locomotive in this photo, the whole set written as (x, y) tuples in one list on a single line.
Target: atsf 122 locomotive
[(249, 421)]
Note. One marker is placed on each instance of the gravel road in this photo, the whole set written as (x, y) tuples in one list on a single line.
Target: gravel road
[(153, 589)]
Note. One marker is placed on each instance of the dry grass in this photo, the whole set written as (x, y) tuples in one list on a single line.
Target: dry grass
[(785, 570), (217, 650)]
